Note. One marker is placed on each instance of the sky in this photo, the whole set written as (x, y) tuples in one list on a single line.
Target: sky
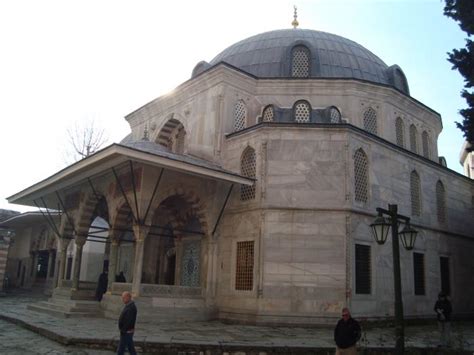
[(66, 62)]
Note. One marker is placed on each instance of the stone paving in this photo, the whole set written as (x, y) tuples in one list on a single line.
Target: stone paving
[(15, 340), (197, 337)]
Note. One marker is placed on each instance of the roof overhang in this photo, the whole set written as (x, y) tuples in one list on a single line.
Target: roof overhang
[(112, 156), (25, 219)]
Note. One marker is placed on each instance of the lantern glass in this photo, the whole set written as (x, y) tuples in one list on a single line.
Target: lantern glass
[(380, 229), (408, 237)]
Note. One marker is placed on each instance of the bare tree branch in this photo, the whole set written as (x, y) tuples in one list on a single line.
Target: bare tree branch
[(85, 139)]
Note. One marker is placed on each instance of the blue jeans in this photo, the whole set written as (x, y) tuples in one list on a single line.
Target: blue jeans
[(126, 341)]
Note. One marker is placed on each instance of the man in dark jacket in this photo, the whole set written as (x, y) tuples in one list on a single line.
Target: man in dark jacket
[(126, 325), (443, 311), (346, 334)]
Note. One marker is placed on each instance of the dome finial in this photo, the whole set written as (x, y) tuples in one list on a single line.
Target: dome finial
[(295, 22)]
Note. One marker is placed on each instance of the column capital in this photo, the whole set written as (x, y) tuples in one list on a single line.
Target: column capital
[(63, 243), (140, 232), (80, 241)]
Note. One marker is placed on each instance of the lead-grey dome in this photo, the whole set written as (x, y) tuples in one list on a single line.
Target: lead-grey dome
[(268, 55)]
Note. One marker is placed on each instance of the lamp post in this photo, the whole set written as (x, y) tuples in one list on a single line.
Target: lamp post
[(380, 229)]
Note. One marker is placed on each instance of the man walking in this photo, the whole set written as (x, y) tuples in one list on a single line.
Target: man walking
[(126, 325), (443, 311), (346, 334)]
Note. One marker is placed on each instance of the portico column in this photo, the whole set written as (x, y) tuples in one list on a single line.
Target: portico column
[(77, 263), (50, 263), (140, 233), (112, 263), (35, 267), (63, 244)]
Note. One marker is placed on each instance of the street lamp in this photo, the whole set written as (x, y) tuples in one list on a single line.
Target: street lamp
[(380, 229)]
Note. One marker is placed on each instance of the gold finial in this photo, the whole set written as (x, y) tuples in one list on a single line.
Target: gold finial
[(295, 22)]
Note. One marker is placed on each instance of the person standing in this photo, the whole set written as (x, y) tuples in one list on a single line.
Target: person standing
[(346, 334), (443, 311), (126, 325), (102, 285)]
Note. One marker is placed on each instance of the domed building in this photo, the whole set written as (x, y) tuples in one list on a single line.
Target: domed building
[(247, 194)]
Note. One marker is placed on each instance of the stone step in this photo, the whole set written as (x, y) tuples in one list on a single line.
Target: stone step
[(47, 309), (74, 303), (67, 293)]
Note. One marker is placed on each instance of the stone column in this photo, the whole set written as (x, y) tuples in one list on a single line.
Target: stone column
[(112, 263), (140, 233), (35, 267), (50, 263), (77, 263), (63, 244)]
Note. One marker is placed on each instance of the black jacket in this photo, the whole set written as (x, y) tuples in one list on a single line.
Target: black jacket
[(347, 333), (128, 317), (443, 310)]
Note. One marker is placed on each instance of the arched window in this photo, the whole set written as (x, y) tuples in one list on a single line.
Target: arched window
[(399, 131), (300, 62), (413, 139), (334, 115), (268, 114), (361, 176), (248, 168), (415, 193), (370, 120), (440, 202), (425, 142), (302, 111), (240, 115), (172, 136)]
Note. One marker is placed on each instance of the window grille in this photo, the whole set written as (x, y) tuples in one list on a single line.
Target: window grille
[(419, 273), (240, 115), (425, 144), (248, 167), (302, 112), (362, 269), (415, 193), (334, 115), (244, 266), (179, 141), (440, 202), (268, 114), (444, 271), (413, 139), (370, 120), (399, 131), (361, 176), (300, 62)]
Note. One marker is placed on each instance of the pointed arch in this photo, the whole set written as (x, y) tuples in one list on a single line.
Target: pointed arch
[(415, 193), (425, 143), (440, 202), (370, 120), (248, 168), (361, 176), (268, 114), (400, 131), (413, 138), (172, 136), (240, 115)]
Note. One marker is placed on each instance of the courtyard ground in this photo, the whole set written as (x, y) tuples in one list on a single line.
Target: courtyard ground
[(52, 335)]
